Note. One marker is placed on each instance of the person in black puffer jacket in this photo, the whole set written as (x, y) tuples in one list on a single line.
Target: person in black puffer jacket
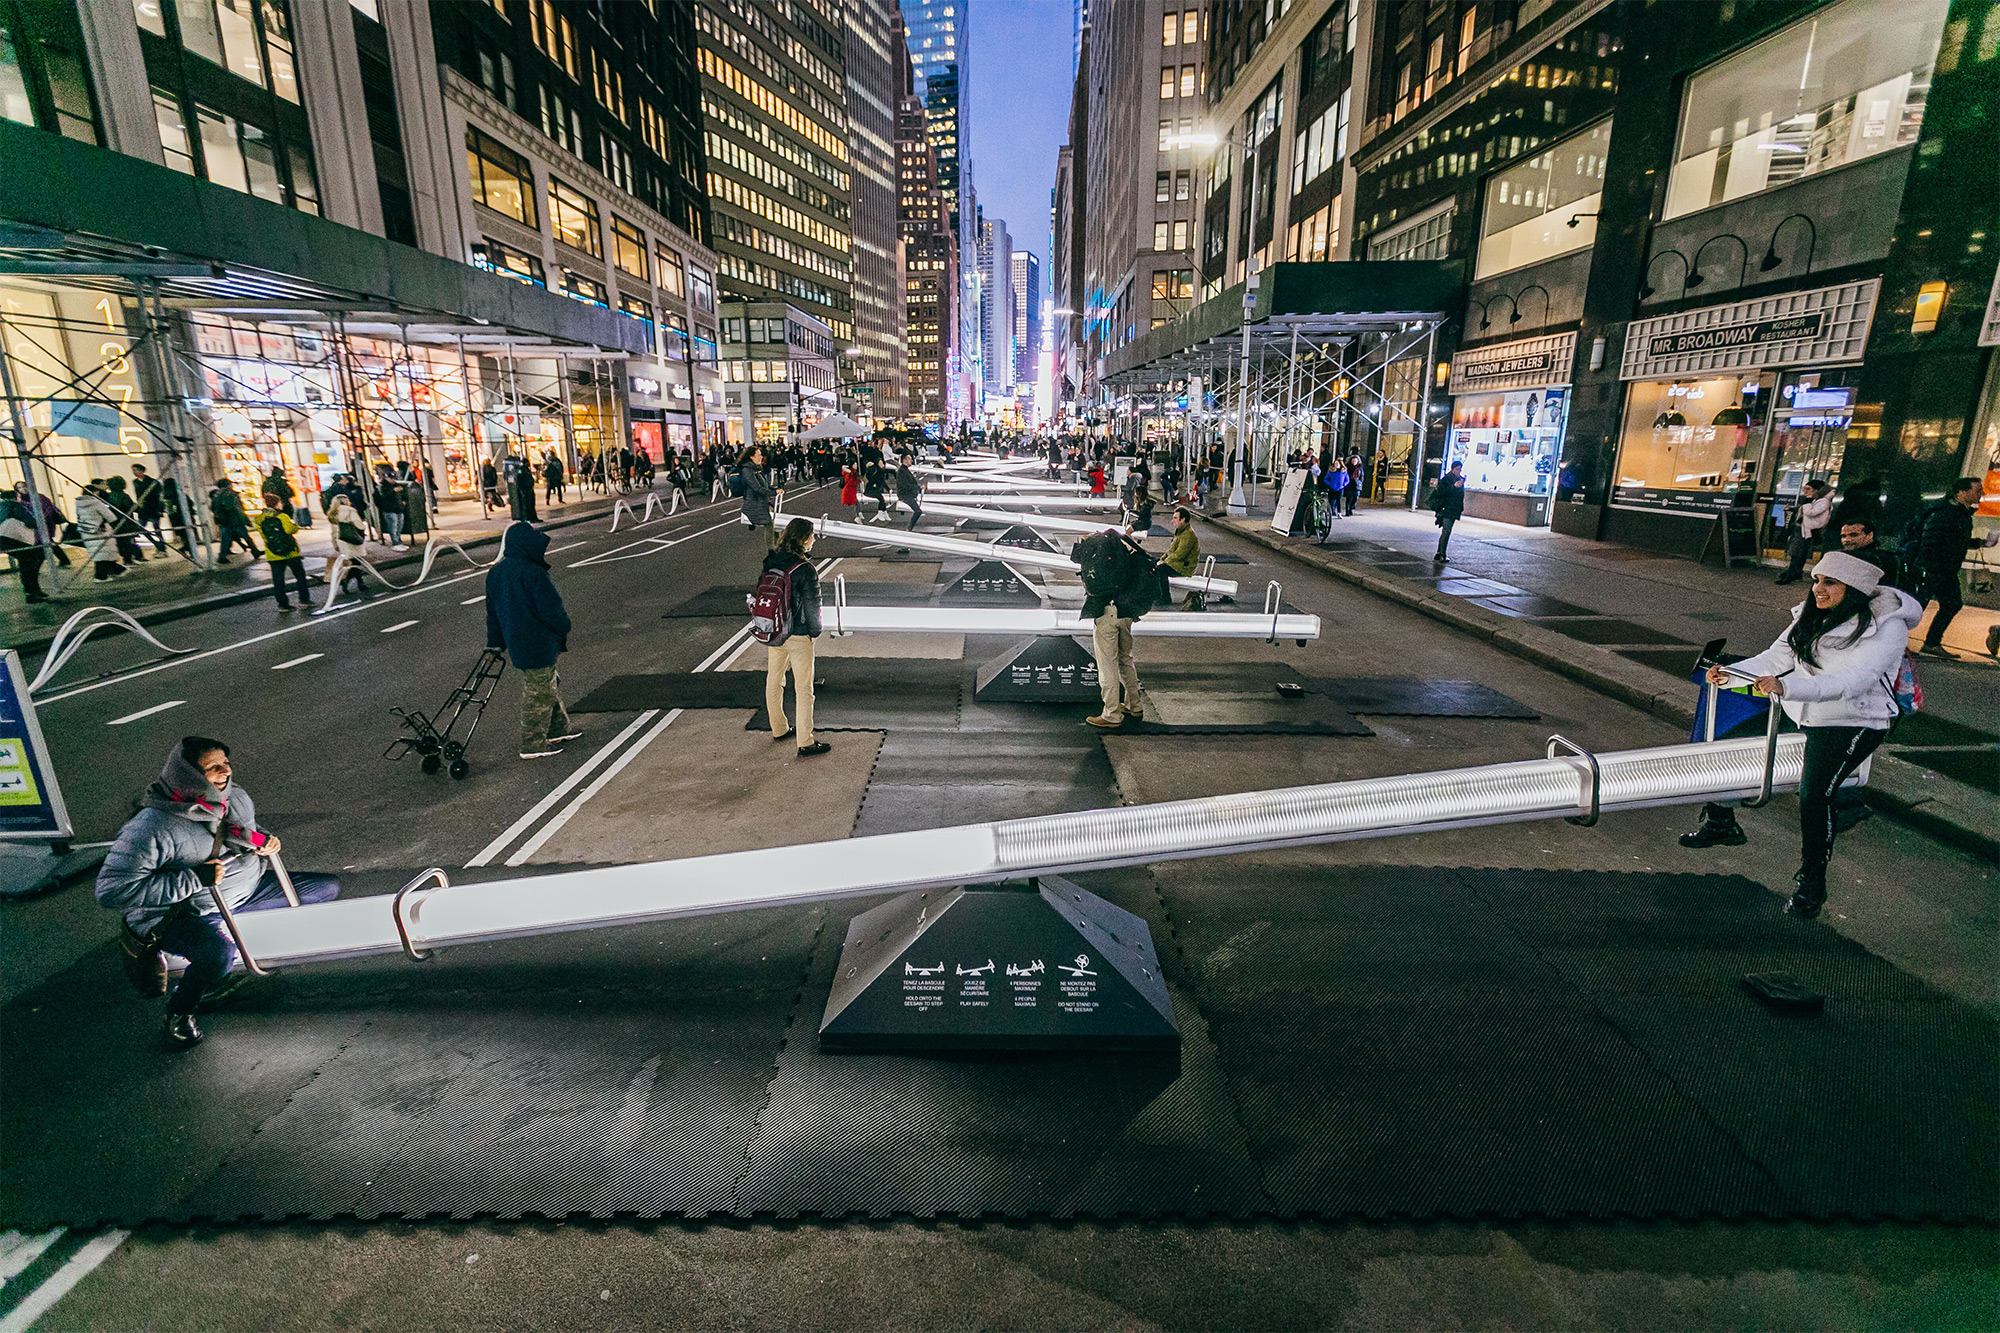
[(1119, 586), (1943, 537)]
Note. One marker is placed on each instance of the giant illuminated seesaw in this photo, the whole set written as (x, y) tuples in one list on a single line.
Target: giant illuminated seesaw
[(1568, 783), (1045, 522), (1027, 499), (943, 545), (843, 619)]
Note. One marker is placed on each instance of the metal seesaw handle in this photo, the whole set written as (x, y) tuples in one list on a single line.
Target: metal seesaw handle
[(1274, 600), (284, 878), (1596, 777), (250, 963), (416, 955), (1770, 758)]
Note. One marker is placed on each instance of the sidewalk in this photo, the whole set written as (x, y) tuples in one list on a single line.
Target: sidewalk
[(164, 588), (1630, 623)]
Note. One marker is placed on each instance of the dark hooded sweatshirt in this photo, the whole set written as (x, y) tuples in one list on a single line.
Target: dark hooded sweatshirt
[(524, 612)]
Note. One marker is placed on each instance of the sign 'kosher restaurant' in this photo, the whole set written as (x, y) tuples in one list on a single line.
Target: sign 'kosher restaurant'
[(1792, 328)]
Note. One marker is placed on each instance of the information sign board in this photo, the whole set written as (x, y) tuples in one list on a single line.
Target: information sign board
[(31, 805)]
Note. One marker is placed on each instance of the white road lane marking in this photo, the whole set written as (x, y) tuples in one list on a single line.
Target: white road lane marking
[(404, 624), (499, 844), (571, 546), (473, 601), (534, 844), (145, 712), (39, 1301), (18, 1250), (289, 629), (298, 661)]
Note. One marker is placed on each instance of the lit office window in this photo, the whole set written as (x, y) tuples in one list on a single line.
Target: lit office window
[(628, 247), (173, 131), (575, 219), (1546, 205), (1847, 83), (501, 179)]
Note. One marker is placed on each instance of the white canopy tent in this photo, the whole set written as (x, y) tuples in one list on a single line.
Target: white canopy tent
[(836, 427)]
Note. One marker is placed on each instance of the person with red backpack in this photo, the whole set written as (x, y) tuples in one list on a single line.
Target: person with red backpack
[(784, 617)]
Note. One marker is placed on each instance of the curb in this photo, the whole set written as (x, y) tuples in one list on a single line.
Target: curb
[(1946, 809), (194, 606)]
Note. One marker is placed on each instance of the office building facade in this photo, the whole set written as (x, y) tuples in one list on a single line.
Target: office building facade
[(875, 372), (415, 233), (780, 175)]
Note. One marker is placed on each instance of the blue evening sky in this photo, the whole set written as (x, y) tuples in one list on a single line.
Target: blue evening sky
[(1020, 60)]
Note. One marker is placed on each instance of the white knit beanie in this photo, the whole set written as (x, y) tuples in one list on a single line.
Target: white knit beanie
[(1851, 570)]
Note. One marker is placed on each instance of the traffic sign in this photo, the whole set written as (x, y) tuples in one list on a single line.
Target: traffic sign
[(31, 805)]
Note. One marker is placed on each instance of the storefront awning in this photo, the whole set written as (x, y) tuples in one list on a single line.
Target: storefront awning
[(1313, 301), (101, 219)]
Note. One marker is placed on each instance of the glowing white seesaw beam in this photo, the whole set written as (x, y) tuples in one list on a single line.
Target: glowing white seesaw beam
[(1029, 500), (1046, 522), (943, 545), (1028, 484), (1564, 786), (1044, 620)]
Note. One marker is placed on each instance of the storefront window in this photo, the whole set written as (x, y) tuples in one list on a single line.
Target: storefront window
[(1508, 441), (1848, 82), (1692, 443), (1545, 206)]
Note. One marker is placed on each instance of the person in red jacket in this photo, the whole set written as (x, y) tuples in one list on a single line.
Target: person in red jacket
[(1097, 478), (850, 487)]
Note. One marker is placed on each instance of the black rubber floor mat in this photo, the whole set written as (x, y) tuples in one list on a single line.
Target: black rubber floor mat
[(836, 676), (1605, 1016), (933, 779), (1361, 1041), (1976, 767), (1605, 630), (1402, 696), (1532, 604), (1673, 661), (927, 707), (1930, 729)]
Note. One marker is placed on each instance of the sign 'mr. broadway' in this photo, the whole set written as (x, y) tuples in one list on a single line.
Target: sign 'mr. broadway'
[(1792, 328)]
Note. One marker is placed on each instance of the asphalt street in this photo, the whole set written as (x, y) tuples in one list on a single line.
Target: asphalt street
[(305, 704)]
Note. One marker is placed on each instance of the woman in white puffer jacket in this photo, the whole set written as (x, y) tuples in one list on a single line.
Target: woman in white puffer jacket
[(1834, 672)]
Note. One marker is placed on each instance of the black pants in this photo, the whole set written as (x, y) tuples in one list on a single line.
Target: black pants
[(1444, 535), (204, 941), (1797, 550), (297, 568), (1941, 585), (916, 512), (29, 559), (1832, 755)]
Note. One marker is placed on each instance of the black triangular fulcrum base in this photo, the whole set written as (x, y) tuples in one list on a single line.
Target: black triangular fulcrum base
[(1023, 535), (1034, 965), (990, 583), (1047, 669)]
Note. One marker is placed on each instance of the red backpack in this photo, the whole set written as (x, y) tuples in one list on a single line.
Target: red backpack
[(771, 607)]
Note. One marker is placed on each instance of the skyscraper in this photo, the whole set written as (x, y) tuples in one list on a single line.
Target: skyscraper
[(996, 307), (930, 254), (875, 67), (1027, 274), (774, 110), (938, 38)]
